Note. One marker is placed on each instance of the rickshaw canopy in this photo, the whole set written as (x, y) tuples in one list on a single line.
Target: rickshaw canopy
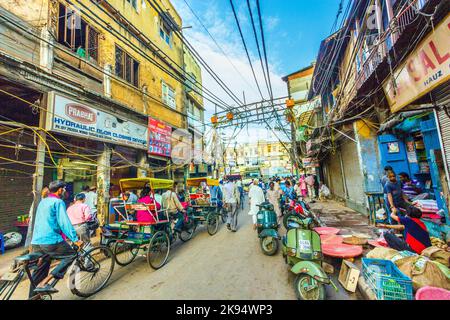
[(140, 183), (195, 182)]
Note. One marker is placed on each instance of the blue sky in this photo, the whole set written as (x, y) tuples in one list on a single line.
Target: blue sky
[(293, 29)]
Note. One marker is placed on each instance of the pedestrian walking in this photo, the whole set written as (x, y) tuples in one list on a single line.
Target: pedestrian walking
[(274, 198), (79, 214), (231, 199), (310, 183), (256, 196)]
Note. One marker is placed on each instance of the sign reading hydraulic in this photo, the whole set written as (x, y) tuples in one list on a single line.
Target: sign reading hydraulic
[(71, 117), (425, 68)]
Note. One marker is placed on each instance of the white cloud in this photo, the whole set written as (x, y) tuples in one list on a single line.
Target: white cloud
[(223, 28)]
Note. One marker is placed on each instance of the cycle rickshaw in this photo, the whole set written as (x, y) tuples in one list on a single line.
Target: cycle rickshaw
[(127, 237), (202, 210)]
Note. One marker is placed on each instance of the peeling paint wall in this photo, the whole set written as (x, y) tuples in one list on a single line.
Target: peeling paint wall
[(369, 156)]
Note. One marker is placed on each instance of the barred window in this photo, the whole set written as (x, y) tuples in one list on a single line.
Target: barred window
[(76, 34), (127, 68)]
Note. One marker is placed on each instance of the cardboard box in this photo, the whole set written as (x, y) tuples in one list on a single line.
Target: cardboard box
[(349, 275)]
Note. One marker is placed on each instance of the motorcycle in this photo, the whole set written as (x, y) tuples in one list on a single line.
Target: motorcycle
[(302, 250), (267, 227), (299, 209)]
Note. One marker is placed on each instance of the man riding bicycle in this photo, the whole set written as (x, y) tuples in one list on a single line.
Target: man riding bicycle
[(51, 222)]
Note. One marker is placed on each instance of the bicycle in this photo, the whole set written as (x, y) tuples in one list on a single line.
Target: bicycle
[(88, 274)]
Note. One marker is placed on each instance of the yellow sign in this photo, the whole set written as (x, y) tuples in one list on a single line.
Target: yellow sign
[(425, 69)]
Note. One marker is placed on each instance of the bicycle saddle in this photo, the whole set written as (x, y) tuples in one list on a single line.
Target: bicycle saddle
[(29, 257)]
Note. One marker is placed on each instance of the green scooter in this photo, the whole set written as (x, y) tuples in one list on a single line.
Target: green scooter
[(267, 226), (302, 249)]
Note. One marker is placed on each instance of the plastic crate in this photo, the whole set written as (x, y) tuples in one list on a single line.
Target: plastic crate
[(386, 280)]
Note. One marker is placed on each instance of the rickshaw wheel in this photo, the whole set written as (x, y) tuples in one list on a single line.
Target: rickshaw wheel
[(158, 250), (212, 223), (125, 253), (301, 284), (224, 215), (186, 235)]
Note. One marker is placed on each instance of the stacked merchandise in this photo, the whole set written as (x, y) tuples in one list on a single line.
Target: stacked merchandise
[(429, 208)]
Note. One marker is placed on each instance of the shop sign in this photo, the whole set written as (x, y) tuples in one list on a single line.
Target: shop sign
[(311, 163), (76, 119), (426, 68), (307, 107), (159, 138)]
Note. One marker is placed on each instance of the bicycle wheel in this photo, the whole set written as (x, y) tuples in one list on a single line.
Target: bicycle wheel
[(187, 232), (91, 271), (212, 223), (125, 253), (224, 215), (158, 250)]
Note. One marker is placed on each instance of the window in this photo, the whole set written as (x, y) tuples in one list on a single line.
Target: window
[(76, 34), (133, 3), (168, 95), (165, 32), (126, 67)]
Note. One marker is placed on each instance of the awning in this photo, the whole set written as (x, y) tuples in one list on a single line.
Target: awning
[(404, 121)]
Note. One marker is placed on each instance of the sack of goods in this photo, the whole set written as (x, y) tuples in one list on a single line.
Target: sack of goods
[(12, 240)]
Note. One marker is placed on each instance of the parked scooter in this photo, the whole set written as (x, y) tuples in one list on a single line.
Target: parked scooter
[(267, 225), (303, 251)]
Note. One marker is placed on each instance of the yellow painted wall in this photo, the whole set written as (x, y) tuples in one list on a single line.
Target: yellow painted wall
[(192, 66), (146, 20)]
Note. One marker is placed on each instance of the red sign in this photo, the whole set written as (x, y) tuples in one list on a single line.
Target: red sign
[(81, 113), (159, 138)]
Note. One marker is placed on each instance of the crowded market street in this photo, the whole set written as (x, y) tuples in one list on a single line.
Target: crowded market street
[(227, 266)]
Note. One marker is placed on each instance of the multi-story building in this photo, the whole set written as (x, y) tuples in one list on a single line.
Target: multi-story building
[(195, 113), (271, 157), (383, 84), (90, 92)]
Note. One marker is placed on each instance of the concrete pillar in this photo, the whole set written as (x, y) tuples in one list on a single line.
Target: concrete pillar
[(103, 183), (143, 163), (38, 177)]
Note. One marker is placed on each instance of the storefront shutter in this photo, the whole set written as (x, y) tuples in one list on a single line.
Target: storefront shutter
[(442, 98)]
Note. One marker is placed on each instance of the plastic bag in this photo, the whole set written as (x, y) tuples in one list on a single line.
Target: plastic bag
[(12, 240)]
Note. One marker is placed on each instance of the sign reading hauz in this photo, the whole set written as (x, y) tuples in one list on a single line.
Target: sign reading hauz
[(426, 68), (74, 118), (159, 138)]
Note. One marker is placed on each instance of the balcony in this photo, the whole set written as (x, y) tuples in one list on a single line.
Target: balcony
[(404, 16)]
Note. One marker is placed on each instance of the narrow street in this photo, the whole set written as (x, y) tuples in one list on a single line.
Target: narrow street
[(227, 266)]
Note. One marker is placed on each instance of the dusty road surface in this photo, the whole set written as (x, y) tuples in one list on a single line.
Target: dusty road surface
[(222, 267)]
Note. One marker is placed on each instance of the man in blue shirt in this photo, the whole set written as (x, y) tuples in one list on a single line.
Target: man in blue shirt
[(51, 220), (396, 198)]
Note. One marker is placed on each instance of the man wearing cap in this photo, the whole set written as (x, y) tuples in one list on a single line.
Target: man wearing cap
[(50, 221)]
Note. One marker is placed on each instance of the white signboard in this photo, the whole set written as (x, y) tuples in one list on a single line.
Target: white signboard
[(73, 118)]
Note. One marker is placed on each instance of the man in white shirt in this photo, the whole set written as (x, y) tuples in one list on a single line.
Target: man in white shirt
[(91, 198), (231, 198), (172, 204), (256, 195)]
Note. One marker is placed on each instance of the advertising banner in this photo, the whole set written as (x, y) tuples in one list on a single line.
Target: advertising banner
[(425, 68), (74, 118), (159, 138)]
